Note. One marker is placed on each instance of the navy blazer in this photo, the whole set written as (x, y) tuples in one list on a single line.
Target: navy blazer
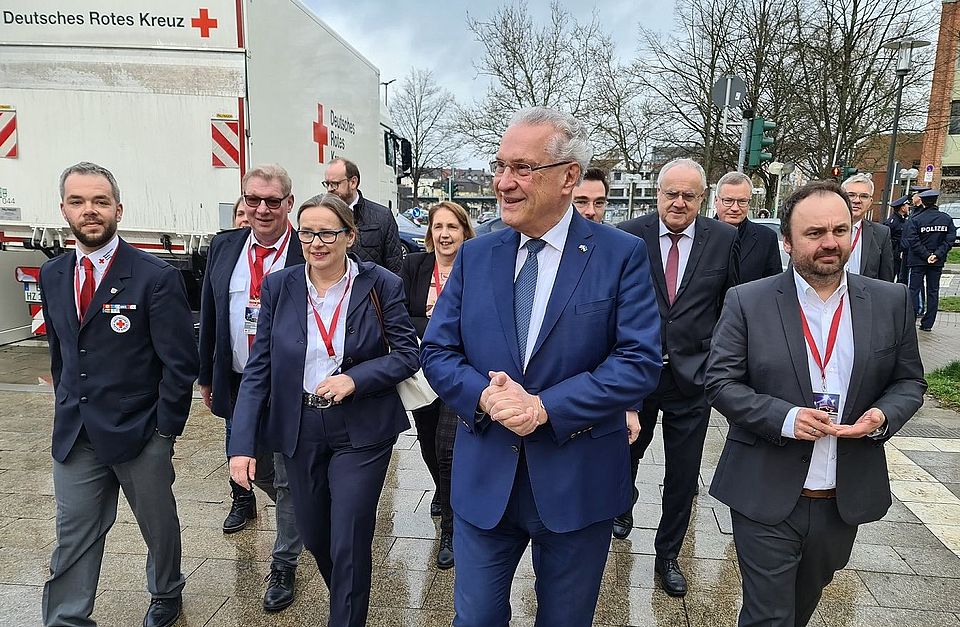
[(876, 252), (216, 352), (270, 401), (759, 252), (120, 385), (597, 354), (417, 273)]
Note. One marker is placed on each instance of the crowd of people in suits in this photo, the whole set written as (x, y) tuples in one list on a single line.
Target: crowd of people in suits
[(556, 347)]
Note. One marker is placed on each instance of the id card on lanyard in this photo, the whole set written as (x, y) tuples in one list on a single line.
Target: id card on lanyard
[(251, 313), (824, 401)]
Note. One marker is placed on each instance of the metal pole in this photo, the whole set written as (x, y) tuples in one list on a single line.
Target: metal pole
[(744, 141), (776, 197), (885, 201), (723, 109)]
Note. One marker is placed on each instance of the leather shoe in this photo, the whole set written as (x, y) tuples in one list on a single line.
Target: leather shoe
[(243, 508), (671, 577), (280, 584), (622, 525), (435, 510), (163, 612), (445, 554)]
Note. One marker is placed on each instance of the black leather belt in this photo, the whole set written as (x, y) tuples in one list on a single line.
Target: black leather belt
[(318, 402)]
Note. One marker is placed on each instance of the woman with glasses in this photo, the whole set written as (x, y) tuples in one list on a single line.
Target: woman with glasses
[(333, 341), (424, 275)]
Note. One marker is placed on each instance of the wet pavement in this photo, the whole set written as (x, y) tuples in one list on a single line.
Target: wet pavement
[(904, 572)]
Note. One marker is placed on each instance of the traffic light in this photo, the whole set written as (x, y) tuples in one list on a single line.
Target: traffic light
[(836, 171), (759, 140)]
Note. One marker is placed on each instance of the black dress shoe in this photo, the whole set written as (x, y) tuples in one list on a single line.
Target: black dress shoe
[(435, 510), (445, 554), (671, 577), (162, 612), (622, 525), (280, 584), (243, 509)]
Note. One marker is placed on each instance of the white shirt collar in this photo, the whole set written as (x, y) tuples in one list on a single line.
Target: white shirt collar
[(353, 203), (806, 292), (690, 231), (557, 236), (276, 245), (339, 285), (858, 224), (102, 255)]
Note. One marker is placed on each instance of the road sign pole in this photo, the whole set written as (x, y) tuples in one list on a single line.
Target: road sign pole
[(744, 141)]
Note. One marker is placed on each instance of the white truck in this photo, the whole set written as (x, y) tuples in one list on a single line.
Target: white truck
[(178, 98)]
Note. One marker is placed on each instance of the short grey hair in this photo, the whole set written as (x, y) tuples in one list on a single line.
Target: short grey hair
[(734, 178), (91, 169), (858, 178), (571, 140), (269, 172), (687, 163)]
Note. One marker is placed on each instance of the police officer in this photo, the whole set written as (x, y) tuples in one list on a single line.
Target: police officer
[(928, 236), (895, 223)]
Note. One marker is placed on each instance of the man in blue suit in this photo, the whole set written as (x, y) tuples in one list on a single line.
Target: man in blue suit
[(545, 334), (123, 362)]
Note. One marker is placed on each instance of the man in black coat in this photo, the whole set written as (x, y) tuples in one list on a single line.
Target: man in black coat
[(379, 237), (693, 261), (871, 251), (759, 246), (928, 237), (896, 222)]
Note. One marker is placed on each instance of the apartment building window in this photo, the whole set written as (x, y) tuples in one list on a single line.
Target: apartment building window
[(954, 117)]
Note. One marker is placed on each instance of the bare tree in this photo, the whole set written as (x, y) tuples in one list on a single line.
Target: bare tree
[(421, 111)]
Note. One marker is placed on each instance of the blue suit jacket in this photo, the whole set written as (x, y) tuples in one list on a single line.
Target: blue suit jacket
[(119, 386), (270, 401), (216, 354), (598, 353)]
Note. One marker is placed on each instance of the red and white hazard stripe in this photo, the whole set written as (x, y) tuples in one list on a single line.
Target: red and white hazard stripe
[(8, 134), (226, 143), (37, 325)]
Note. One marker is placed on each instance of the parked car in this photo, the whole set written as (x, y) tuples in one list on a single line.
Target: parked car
[(774, 225), (412, 235), (952, 209), (490, 226), (486, 216)]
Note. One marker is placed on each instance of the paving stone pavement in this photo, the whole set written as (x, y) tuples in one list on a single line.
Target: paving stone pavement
[(904, 571)]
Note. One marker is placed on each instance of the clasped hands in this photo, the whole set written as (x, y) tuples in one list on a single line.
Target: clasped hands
[(813, 424), (508, 403)]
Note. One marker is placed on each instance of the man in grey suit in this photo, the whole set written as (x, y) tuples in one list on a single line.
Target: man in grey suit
[(810, 397), (871, 252)]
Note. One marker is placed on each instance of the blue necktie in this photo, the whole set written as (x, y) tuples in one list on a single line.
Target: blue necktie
[(524, 289)]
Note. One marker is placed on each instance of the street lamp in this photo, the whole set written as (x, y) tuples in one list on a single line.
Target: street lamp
[(904, 48), (386, 86)]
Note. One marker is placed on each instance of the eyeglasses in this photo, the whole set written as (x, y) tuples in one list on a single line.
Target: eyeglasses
[(582, 203), (521, 170), (687, 196), (333, 184), (327, 237), (861, 197), (254, 201), (743, 203)]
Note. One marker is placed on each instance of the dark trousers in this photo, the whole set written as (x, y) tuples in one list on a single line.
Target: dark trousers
[(685, 420), (335, 490), (569, 566), (437, 430), (900, 270), (86, 493), (931, 276), (786, 566)]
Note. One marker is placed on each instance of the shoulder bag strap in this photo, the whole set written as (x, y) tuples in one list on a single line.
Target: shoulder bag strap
[(375, 299)]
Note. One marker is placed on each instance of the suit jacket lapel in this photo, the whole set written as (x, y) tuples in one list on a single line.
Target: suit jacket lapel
[(861, 308), (866, 245), (576, 254), (224, 271), (294, 252), (789, 307), (503, 267), (121, 269), (63, 284), (362, 284), (296, 287), (424, 275), (700, 237), (748, 240), (651, 235)]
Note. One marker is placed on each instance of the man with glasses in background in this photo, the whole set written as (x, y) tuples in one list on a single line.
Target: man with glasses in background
[(378, 238), (590, 196), (237, 263), (871, 252), (759, 246), (693, 261)]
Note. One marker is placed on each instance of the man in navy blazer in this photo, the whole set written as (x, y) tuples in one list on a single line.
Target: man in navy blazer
[(545, 334), (759, 246), (123, 362), (871, 252), (230, 290)]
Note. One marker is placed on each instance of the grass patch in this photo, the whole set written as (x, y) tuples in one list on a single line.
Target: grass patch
[(949, 303), (954, 255), (944, 385)]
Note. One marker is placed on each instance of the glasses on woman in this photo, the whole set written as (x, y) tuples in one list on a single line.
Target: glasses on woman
[(326, 236)]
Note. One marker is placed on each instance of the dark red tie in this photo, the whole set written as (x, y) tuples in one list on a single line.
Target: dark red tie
[(89, 286), (257, 279), (673, 265)]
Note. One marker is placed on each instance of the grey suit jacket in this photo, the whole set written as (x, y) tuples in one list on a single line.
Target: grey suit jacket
[(757, 371), (876, 256)]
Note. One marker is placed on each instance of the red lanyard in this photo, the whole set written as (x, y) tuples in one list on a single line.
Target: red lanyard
[(256, 282), (76, 278), (326, 335), (436, 279), (856, 238), (831, 341)]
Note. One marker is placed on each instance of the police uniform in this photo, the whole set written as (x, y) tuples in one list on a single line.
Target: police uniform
[(896, 223), (928, 233)]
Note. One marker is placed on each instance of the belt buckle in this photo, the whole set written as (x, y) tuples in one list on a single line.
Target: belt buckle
[(316, 401), (323, 402)]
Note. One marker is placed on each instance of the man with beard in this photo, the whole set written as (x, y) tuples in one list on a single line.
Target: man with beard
[(871, 252), (810, 404), (759, 247), (123, 361)]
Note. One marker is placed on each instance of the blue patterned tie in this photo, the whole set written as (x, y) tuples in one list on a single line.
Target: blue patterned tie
[(524, 289)]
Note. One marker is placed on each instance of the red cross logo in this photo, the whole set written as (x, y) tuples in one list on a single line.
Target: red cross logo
[(121, 324), (320, 133), (204, 23)]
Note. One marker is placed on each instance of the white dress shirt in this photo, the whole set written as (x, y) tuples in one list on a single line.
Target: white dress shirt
[(319, 364), (100, 259), (822, 474), (685, 245), (853, 263), (240, 293), (548, 262)]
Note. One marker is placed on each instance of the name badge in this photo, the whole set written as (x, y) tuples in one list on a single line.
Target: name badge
[(828, 403), (115, 308), (251, 315)]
